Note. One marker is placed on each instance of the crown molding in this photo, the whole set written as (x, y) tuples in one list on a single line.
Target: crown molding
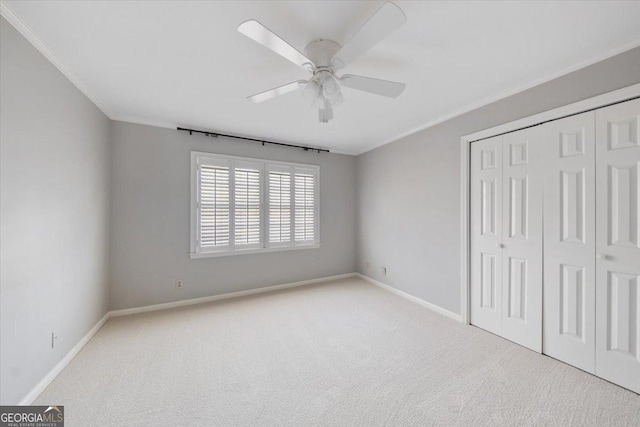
[(145, 122), (27, 32), (15, 20), (491, 99)]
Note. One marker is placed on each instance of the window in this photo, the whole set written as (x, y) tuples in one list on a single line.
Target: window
[(242, 205)]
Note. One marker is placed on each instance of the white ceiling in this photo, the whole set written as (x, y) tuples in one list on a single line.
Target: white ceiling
[(183, 62)]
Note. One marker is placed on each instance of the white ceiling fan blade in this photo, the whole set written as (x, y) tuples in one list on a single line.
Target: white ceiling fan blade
[(376, 86), (277, 91), (261, 34), (382, 23)]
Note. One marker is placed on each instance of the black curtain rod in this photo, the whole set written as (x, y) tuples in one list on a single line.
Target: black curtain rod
[(261, 141)]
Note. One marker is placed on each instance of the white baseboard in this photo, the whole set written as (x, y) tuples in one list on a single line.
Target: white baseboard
[(201, 300), (39, 388), (35, 392), (423, 303)]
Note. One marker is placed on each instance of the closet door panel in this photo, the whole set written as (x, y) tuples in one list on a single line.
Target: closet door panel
[(569, 240), (618, 244), (486, 234), (522, 238)]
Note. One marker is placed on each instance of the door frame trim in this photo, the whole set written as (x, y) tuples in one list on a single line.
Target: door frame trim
[(589, 104)]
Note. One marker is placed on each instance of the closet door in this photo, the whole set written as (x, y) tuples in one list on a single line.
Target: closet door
[(569, 241), (618, 244), (522, 237), (486, 234)]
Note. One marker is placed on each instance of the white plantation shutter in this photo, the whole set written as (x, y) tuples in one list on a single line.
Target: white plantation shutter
[(247, 204), (293, 205), (305, 206), (214, 207), (279, 195), (242, 205)]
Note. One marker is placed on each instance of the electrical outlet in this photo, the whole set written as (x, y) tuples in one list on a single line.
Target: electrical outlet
[(368, 265), (384, 271), (54, 337), (179, 284)]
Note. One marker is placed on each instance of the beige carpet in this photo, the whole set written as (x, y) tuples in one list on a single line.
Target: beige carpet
[(342, 353)]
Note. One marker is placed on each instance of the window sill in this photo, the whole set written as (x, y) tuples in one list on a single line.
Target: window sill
[(197, 255)]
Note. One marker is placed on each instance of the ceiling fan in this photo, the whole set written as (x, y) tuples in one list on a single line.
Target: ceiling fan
[(323, 57)]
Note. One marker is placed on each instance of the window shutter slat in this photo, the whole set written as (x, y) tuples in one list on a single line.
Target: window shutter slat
[(279, 207), (305, 207), (214, 206), (247, 207)]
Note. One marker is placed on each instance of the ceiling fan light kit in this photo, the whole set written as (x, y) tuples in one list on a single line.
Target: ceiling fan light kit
[(323, 57)]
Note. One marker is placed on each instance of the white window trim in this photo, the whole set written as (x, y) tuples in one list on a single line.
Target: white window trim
[(265, 247)]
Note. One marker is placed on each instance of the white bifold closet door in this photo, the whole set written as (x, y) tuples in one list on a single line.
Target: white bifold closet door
[(562, 200), (617, 306), (569, 240), (506, 236), (486, 234)]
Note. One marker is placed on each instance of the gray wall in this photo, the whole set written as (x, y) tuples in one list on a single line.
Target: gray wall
[(409, 191), (150, 220), (54, 192), (72, 181)]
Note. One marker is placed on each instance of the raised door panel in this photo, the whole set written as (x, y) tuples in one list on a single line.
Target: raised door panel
[(517, 288), (569, 240), (618, 249), (488, 281), (623, 200), (486, 234), (488, 206), (572, 215), (622, 314), (522, 237), (571, 304)]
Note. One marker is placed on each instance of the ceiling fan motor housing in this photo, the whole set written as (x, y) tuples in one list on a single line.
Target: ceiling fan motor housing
[(321, 51)]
